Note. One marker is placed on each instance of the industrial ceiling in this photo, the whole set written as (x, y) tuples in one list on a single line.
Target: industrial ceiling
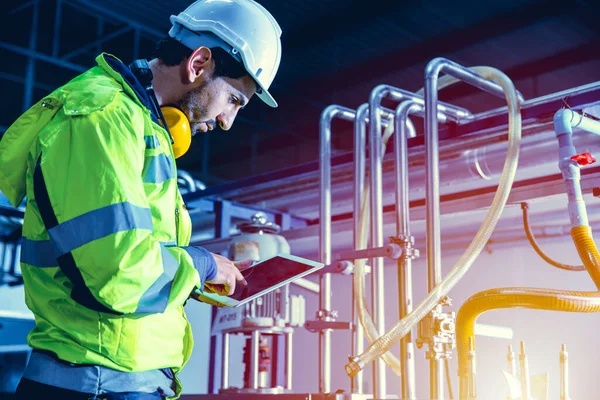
[(334, 51)]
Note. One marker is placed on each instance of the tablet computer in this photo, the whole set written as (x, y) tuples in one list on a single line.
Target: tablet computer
[(264, 277)]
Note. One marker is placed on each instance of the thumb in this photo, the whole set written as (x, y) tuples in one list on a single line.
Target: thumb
[(242, 265)]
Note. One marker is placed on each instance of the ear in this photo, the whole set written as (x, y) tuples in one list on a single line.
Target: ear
[(197, 63)]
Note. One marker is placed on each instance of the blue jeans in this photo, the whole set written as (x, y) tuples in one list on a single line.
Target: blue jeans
[(28, 389)]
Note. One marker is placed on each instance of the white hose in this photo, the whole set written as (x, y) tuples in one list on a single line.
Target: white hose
[(359, 273), (404, 326)]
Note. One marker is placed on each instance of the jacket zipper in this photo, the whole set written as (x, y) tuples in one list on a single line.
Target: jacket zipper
[(177, 225)]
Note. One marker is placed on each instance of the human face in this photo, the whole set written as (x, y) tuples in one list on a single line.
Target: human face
[(216, 102)]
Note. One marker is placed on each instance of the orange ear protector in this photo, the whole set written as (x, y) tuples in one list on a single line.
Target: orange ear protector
[(172, 118)]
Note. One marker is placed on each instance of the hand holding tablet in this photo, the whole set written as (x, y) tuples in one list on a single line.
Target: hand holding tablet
[(262, 277), (228, 275)]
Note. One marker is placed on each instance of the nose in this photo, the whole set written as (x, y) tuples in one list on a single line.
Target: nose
[(225, 119)]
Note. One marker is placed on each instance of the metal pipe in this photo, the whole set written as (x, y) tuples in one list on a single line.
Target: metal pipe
[(30, 69), (360, 145), (225, 361), (436, 378), (91, 45), (187, 179), (288, 361), (432, 189), (564, 373), (57, 20), (376, 192), (407, 358), (361, 119), (432, 186), (438, 65), (19, 79), (380, 92), (43, 57), (525, 386), (254, 355), (333, 111), (390, 250), (472, 370), (512, 361), (377, 272), (307, 284)]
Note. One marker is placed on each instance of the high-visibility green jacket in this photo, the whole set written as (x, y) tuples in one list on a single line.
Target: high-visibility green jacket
[(104, 255)]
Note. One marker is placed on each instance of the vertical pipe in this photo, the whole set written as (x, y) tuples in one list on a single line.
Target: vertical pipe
[(432, 200), (57, 23), (325, 247), (436, 377), (288, 361), (254, 353), (325, 238), (472, 370), (564, 373), (225, 361), (360, 145), (525, 386), (30, 69), (407, 360), (512, 361), (376, 193), (432, 187)]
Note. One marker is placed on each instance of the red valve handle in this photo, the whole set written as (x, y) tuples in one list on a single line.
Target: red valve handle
[(583, 159)]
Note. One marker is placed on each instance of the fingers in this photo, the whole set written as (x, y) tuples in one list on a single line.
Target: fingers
[(240, 278), (242, 265)]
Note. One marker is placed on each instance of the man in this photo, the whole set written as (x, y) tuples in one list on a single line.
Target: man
[(105, 255)]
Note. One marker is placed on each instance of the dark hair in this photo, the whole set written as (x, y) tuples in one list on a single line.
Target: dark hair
[(171, 52)]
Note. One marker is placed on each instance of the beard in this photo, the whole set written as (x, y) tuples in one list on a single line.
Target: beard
[(193, 105)]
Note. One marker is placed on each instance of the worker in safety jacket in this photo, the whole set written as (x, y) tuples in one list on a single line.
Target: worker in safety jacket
[(105, 253)]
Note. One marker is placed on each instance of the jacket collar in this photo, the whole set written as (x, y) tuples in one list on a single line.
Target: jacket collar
[(122, 74)]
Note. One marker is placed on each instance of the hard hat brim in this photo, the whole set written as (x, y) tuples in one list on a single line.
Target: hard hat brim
[(265, 96)]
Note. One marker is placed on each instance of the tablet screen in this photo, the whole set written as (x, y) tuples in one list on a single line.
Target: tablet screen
[(267, 274)]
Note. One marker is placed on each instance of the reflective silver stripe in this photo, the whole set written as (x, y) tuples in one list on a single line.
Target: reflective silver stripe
[(156, 298), (94, 379), (158, 169), (98, 224), (152, 142), (38, 253)]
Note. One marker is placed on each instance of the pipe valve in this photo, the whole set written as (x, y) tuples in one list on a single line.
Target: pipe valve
[(583, 159)]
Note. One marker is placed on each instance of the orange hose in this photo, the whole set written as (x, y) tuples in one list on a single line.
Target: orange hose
[(537, 248), (584, 242)]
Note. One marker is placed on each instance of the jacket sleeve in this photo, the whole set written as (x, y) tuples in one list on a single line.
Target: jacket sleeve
[(92, 169)]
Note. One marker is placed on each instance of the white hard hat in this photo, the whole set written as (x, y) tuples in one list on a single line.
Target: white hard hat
[(243, 28)]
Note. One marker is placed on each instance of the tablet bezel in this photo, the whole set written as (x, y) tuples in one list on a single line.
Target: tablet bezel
[(233, 303)]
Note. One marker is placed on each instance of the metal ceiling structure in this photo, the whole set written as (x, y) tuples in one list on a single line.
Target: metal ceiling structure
[(334, 51)]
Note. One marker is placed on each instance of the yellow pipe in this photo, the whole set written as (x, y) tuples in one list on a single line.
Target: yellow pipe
[(494, 299)]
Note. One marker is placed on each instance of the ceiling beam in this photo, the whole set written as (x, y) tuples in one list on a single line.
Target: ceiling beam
[(429, 49), (92, 6)]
